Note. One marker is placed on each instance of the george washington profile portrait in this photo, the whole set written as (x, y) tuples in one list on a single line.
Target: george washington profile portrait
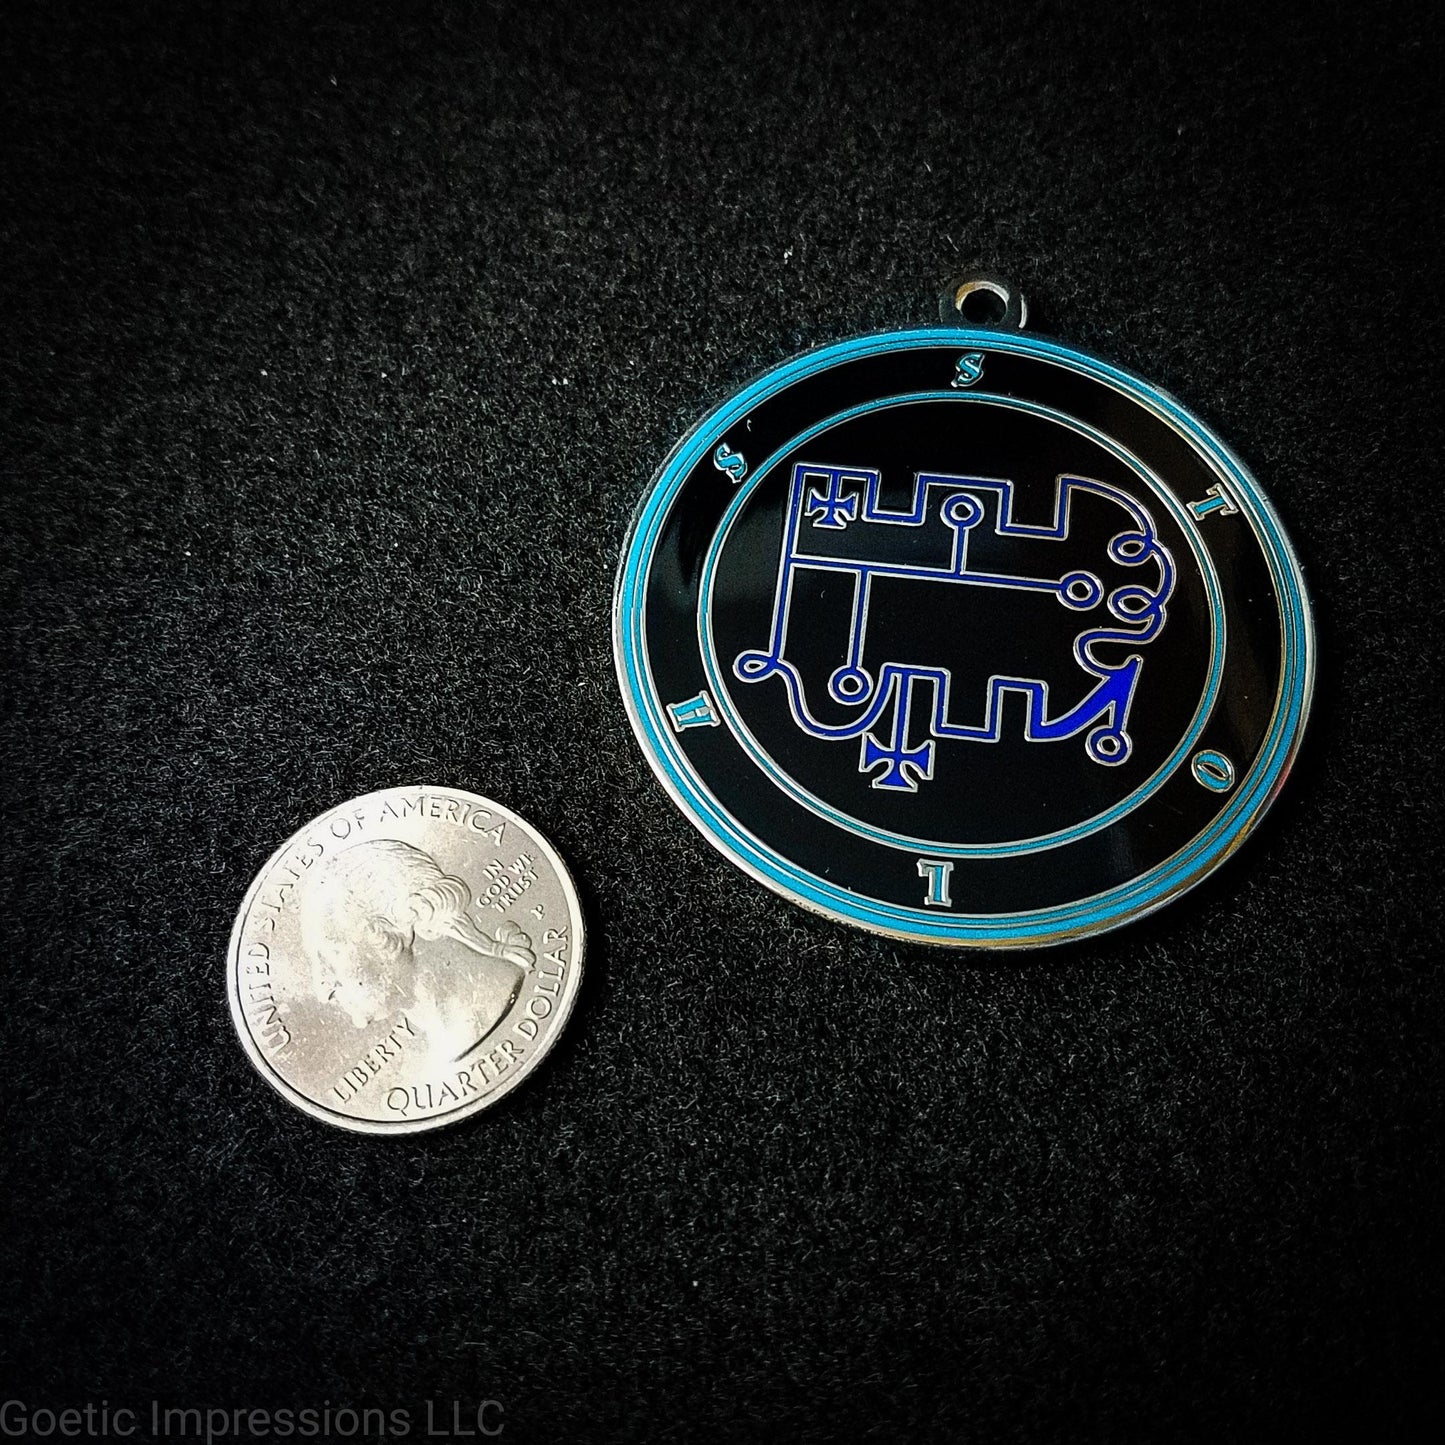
[(387, 931)]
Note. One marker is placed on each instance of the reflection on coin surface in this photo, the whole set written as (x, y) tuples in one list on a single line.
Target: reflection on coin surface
[(405, 959)]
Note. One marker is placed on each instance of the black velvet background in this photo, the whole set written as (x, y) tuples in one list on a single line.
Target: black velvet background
[(340, 343)]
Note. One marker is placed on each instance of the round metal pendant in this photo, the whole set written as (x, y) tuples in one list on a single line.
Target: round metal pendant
[(963, 636)]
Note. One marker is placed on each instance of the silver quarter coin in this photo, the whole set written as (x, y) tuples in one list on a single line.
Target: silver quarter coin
[(405, 959)]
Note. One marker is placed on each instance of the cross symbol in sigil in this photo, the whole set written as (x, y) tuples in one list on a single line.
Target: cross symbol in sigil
[(832, 509)]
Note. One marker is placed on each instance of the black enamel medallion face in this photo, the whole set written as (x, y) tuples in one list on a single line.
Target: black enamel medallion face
[(963, 636)]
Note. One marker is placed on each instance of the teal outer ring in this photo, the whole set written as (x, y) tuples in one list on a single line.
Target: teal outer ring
[(1253, 793)]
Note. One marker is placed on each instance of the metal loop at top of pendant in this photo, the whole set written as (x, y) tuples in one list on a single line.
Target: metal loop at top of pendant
[(984, 302)]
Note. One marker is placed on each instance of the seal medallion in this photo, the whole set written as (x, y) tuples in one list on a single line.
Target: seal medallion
[(965, 636)]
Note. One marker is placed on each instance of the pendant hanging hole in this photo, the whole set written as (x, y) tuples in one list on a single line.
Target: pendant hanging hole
[(985, 301), (981, 304)]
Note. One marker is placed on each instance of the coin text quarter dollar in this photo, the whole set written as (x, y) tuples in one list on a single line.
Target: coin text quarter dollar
[(963, 636), (405, 959)]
